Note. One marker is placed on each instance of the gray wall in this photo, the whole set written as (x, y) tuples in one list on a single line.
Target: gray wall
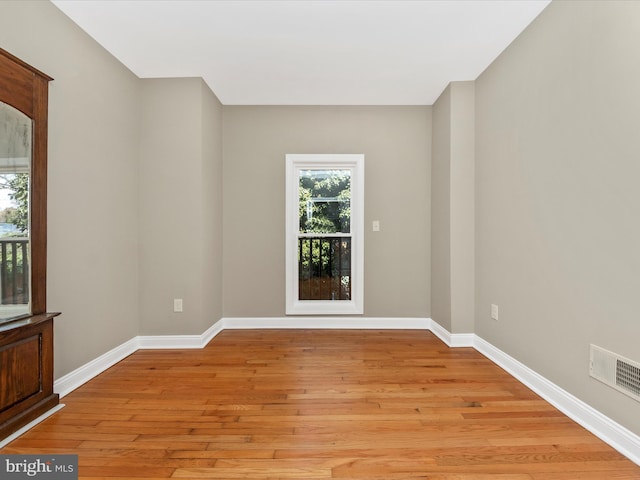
[(396, 142), (93, 177), (441, 211), (557, 169), (211, 213), (135, 191), (180, 206), (462, 208), (452, 209)]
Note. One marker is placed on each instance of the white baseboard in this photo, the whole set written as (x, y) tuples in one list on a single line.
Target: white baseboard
[(623, 440), (180, 341), (69, 382), (620, 438), (356, 323), (451, 339)]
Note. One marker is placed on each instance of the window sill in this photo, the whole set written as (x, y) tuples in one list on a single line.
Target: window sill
[(329, 307)]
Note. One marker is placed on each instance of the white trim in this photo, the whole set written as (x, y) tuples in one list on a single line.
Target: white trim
[(69, 382), (211, 332), (294, 163), (336, 323), (452, 340), (611, 432), (440, 332), (7, 440), (160, 342), (180, 341), (460, 340), (72, 380)]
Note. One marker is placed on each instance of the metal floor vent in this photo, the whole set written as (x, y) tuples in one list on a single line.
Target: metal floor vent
[(616, 371)]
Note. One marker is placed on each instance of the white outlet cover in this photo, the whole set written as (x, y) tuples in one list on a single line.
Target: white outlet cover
[(177, 305), (494, 311)]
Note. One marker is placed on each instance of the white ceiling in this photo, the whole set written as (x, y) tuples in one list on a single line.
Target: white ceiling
[(308, 52)]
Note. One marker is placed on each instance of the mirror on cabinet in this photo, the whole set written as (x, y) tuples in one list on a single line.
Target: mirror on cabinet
[(15, 171)]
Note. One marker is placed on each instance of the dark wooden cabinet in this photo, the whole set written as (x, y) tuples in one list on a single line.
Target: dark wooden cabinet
[(26, 338), (26, 371)]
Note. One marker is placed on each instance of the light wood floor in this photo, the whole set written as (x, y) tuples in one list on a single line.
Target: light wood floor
[(315, 404)]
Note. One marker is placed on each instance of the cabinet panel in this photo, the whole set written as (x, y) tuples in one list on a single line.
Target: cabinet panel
[(26, 371), (21, 373)]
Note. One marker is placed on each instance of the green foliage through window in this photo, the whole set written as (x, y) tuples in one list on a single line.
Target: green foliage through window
[(325, 201), (18, 186)]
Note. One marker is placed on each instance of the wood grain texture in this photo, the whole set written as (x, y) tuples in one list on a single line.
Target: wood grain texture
[(26, 371), (319, 404), (26, 375)]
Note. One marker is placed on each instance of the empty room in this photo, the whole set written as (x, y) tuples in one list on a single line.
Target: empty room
[(320, 239)]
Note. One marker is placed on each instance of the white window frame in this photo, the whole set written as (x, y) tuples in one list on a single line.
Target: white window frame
[(294, 164)]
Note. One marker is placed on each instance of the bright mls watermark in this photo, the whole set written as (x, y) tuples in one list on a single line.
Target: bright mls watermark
[(51, 467)]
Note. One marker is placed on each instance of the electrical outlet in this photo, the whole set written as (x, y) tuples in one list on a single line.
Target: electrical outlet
[(494, 312), (177, 305), (375, 225)]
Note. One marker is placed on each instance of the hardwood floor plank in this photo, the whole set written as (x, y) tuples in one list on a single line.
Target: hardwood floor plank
[(599, 475), (128, 471), (318, 404), (259, 469), (226, 453)]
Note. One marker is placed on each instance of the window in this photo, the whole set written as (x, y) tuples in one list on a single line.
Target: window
[(325, 234)]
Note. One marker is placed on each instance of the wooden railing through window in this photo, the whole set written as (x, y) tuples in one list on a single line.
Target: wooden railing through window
[(14, 271), (324, 268)]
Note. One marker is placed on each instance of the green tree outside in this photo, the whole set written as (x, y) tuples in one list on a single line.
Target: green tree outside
[(325, 201), (18, 215), (18, 185)]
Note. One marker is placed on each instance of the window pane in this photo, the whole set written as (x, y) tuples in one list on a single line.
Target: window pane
[(325, 201), (324, 268)]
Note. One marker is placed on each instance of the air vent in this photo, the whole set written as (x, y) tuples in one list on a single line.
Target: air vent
[(616, 371)]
